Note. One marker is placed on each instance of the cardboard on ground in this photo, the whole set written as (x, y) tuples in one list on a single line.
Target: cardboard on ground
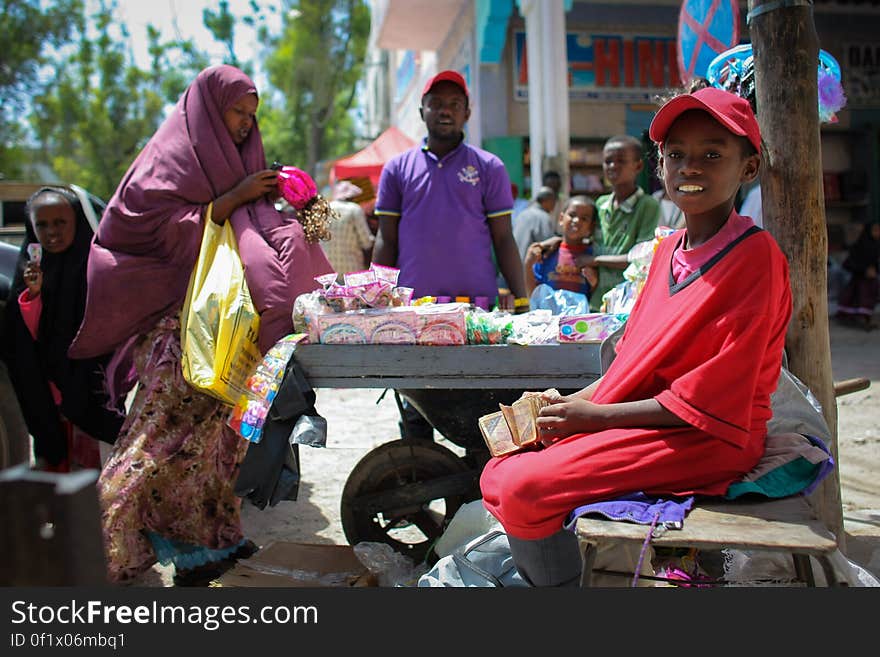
[(287, 564)]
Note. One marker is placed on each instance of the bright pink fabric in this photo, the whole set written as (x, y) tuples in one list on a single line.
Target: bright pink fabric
[(686, 261), (710, 353), (31, 309), (296, 186)]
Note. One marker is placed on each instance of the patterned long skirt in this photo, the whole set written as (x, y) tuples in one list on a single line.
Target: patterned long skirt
[(173, 467)]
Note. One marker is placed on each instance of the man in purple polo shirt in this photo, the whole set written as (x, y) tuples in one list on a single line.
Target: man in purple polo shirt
[(443, 207)]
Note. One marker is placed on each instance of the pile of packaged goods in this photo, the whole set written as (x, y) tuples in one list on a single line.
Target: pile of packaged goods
[(543, 327), (370, 308), (488, 327)]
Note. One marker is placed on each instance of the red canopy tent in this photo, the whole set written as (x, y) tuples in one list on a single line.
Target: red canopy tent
[(368, 163)]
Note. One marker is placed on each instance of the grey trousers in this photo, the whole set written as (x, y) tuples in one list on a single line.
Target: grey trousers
[(551, 561)]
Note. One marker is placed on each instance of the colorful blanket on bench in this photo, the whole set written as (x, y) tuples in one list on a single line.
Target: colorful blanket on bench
[(792, 464)]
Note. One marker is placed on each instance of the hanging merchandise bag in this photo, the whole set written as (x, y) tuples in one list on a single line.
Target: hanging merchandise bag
[(270, 470), (219, 325)]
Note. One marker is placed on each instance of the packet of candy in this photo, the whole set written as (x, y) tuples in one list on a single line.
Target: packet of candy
[(249, 414), (488, 327), (401, 296), (305, 308), (340, 298), (35, 252), (326, 280), (384, 273), (358, 278), (375, 295)]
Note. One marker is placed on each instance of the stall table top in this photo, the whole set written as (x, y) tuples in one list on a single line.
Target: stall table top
[(569, 365)]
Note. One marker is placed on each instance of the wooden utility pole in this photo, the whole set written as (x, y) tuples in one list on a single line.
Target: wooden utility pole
[(786, 57)]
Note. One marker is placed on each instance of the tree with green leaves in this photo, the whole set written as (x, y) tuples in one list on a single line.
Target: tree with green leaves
[(28, 29), (222, 24), (93, 108), (99, 108), (315, 65)]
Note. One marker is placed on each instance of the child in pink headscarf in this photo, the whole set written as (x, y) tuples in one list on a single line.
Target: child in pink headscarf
[(167, 490)]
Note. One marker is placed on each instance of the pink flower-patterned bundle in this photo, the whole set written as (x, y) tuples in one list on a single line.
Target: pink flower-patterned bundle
[(296, 186), (312, 210)]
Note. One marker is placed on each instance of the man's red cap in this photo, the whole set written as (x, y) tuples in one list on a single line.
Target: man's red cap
[(732, 111), (450, 76)]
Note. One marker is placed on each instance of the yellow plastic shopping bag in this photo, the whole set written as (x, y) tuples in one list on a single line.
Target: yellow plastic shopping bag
[(219, 324)]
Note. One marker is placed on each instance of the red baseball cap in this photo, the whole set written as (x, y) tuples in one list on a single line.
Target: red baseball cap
[(450, 76), (732, 111)]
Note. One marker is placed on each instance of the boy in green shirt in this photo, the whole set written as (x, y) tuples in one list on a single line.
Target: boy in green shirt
[(626, 216)]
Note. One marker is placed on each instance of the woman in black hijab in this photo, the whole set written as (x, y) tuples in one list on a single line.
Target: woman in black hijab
[(57, 394)]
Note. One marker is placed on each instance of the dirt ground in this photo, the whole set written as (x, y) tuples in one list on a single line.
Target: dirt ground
[(856, 353), (358, 422)]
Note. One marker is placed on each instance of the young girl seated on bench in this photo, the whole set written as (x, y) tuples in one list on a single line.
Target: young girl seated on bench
[(684, 406)]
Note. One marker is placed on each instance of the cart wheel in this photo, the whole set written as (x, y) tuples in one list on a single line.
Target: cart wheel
[(404, 493)]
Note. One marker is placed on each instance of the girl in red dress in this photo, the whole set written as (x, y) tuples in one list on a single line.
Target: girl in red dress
[(683, 408)]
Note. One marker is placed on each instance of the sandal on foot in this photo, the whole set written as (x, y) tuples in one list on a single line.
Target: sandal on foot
[(203, 575)]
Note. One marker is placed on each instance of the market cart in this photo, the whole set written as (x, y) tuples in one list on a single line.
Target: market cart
[(404, 492)]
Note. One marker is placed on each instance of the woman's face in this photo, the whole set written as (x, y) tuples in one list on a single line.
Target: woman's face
[(239, 118), (54, 223)]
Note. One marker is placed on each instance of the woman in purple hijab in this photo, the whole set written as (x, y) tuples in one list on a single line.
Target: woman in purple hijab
[(167, 490)]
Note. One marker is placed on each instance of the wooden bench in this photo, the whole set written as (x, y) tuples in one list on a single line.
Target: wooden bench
[(786, 525)]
